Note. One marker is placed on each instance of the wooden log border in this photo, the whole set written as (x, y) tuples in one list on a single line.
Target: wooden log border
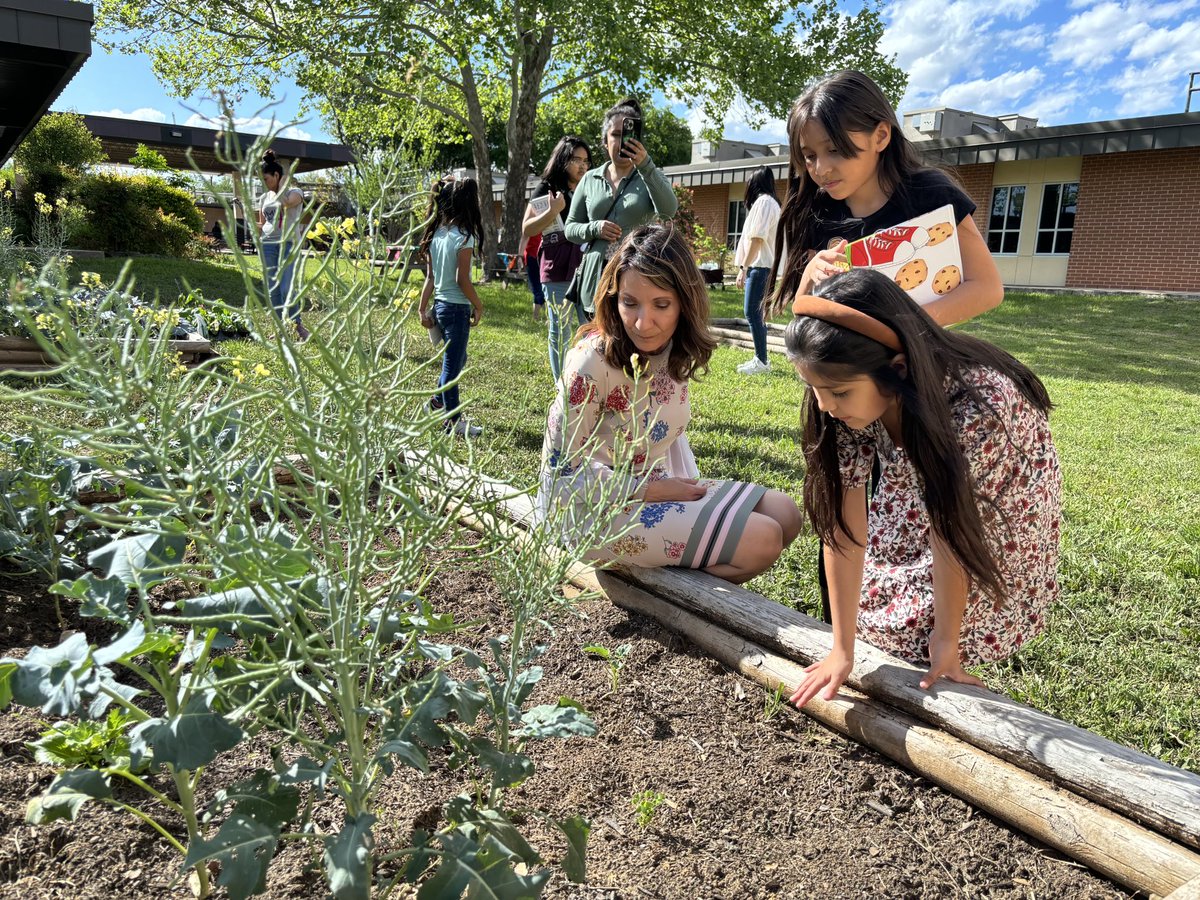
[(1120, 849), (24, 354), (1147, 790)]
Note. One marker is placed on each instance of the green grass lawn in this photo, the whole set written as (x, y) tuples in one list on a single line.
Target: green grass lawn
[(1121, 655)]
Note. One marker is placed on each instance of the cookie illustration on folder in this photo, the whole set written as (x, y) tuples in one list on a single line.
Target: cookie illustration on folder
[(910, 251)]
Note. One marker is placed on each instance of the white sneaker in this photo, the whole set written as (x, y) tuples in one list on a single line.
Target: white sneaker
[(754, 367), (463, 428)]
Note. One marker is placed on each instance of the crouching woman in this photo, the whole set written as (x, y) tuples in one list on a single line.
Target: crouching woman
[(616, 448)]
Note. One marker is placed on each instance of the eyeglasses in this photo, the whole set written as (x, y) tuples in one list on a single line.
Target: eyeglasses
[(585, 161)]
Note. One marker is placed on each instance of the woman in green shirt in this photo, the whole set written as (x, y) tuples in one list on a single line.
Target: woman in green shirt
[(612, 200)]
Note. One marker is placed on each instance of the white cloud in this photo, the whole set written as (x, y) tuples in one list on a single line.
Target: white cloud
[(939, 43), (1052, 105), (993, 96), (1155, 77), (255, 125), (1031, 37), (1106, 31), (142, 114)]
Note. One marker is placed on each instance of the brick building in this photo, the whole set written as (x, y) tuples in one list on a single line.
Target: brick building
[(1111, 204)]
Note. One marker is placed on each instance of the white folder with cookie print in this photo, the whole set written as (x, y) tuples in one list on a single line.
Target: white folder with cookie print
[(921, 255)]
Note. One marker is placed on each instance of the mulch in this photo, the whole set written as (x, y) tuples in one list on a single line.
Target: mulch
[(757, 800)]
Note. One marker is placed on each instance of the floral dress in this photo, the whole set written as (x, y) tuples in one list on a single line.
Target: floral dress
[(607, 434), (1018, 488)]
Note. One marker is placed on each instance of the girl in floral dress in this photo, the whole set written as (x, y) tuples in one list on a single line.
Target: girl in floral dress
[(955, 562), (617, 472)]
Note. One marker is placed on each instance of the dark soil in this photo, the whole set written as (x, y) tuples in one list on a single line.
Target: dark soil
[(759, 801)]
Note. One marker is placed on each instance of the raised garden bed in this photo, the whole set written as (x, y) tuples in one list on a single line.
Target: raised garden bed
[(19, 354)]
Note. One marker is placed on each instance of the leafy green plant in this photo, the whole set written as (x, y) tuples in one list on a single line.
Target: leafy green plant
[(645, 805), (285, 626), (615, 659), (86, 743)]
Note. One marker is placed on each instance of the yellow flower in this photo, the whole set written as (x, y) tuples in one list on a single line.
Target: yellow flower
[(61, 202), (8, 195), (348, 225), (261, 371), (39, 198), (45, 209), (239, 374), (90, 279)]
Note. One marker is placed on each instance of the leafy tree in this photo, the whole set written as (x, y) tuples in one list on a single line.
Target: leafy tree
[(148, 158), (460, 65)]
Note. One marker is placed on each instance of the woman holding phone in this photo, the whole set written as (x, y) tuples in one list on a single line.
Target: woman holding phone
[(612, 200)]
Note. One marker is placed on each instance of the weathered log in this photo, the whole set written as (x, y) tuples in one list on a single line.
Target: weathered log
[(1122, 850), (1134, 784), (741, 335), (743, 325)]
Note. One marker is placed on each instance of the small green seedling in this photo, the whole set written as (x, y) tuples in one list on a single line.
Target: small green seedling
[(615, 659), (773, 703), (646, 804)]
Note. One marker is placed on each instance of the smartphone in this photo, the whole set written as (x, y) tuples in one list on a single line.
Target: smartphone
[(631, 129)]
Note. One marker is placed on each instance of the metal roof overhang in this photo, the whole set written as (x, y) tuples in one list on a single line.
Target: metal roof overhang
[(120, 138), (42, 45), (1177, 131)]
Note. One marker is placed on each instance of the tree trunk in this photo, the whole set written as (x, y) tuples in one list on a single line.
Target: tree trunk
[(483, 169), (532, 55)]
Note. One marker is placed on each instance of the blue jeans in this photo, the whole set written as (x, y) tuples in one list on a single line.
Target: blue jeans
[(756, 287), (558, 311), (278, 278), (533, 273), (455, 321)]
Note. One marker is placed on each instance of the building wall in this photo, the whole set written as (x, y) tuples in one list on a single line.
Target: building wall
[(711, 204), (977, 182), (1136, 224)]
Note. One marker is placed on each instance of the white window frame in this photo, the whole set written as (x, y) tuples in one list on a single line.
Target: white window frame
[(1057, 229), (732, 237), (1005, 229)]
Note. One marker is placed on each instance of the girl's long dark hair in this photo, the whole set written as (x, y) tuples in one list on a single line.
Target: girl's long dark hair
[(761, 183), (933, 355), (554, 176), (452, 201), (844, 102), (660, 253)]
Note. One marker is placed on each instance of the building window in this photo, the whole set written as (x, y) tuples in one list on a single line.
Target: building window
[(1057, 221), (1004, 226), (737, 220)]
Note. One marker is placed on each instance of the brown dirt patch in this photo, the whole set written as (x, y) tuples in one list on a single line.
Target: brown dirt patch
[(758, 803)]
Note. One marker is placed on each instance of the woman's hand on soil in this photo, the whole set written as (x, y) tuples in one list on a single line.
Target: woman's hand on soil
[(944, 662), (610, 231), (823, 264), (824, 677), (674, 489)]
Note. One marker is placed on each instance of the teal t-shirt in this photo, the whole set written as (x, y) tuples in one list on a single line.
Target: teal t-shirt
[(443, 261)]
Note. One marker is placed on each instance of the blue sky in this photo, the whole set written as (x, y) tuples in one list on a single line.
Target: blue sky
[(1074, 61)]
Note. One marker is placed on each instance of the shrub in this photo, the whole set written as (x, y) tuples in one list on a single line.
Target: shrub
[(137, 214), (53, 156)]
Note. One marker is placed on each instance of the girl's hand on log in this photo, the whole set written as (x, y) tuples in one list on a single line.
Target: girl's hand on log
[(824, 677), (944, 662)]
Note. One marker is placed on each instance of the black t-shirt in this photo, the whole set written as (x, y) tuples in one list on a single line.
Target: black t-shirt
[(924, 191), (558, 258)]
